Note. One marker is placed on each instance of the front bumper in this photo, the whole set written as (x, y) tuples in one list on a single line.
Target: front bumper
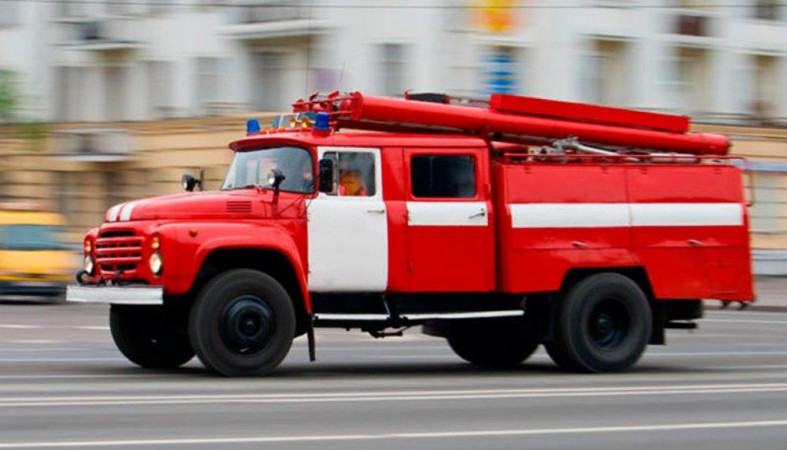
[(116, 295)]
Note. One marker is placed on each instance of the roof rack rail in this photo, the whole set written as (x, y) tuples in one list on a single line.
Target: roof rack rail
[(511, 118)]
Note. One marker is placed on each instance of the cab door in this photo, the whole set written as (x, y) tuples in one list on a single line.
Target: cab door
[(450, 234), (347, 228)]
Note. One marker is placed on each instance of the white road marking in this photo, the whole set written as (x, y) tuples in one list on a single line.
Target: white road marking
[(753, 367), (774, 322), (387, 396), (51, 360), (14, 326), (742, 353), (67, 376), (411, 435)]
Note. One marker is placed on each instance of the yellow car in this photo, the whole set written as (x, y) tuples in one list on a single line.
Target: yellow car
[(34, 263)]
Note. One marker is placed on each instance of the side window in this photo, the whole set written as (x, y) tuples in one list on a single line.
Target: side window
[(353, 174), (443, 176)]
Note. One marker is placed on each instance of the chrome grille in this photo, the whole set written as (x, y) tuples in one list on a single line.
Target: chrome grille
[(118, 250)]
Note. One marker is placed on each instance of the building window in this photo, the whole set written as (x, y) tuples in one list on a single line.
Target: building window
[(9, 14), (693, 4), (208, 84), (689, 80), (392, 69), (115, 93), (765, 88), (765, 213), (443, 176), (70, 8), (267, 80), (605, 74), (70, 93), (208, 5), (766, 9), (117, 8), (113, 187), (67, 194), (161, 7), (160, 86)]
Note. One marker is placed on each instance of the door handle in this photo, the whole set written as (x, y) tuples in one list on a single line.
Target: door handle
[(695, 243), (376, 211), (481, 213)]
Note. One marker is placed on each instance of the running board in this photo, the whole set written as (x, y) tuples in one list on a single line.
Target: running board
[(330, 317)]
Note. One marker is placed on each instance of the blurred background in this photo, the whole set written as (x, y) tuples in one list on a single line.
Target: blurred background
[(105, 101)]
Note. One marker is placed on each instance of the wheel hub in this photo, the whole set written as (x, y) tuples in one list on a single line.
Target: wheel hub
[(609, 323), (246, 324)]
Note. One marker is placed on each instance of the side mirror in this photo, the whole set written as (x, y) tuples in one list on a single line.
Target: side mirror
[(326, 175), (275, 178), (189, 182)]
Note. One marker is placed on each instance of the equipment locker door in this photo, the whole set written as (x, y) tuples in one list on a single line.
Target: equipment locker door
[(348, 229), (450, 235)]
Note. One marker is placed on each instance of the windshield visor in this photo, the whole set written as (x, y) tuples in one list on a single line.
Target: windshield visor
[(253, 168)]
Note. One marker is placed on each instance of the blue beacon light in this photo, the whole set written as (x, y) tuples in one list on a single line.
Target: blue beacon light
[(323, 122), (252, 127)]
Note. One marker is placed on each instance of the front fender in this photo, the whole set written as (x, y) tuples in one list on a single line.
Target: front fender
[(197, 241)]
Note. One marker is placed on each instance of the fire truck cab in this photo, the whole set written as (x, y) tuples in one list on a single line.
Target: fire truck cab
[(499, 226)]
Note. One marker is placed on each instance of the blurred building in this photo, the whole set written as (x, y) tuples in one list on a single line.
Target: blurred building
[(135, 92), (77, 60)]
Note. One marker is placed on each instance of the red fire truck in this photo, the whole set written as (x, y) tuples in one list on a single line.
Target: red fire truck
[(497, 225)]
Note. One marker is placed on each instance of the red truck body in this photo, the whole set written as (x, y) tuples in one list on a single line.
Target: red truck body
[(591, 245)]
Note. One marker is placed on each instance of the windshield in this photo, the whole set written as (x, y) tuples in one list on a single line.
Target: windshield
[(30, 237), (253, 168)]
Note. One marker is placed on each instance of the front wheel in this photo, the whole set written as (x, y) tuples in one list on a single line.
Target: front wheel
[(492, 342), (149, 337), (242, 323), (603, 324)]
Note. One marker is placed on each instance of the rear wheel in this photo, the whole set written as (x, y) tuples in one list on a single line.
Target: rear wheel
[(242, 323), (149, 337), (603, 324), (491, 342)]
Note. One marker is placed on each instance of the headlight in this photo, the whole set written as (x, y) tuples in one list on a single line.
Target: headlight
[(88, 264), (155, 263)]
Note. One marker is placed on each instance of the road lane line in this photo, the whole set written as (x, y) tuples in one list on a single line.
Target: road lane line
[(775, 322), (741, 353), (53, 360), (388, 396), (67, 376), (412, 435)]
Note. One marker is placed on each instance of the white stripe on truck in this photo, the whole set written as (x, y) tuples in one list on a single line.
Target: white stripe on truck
[(608, 215)]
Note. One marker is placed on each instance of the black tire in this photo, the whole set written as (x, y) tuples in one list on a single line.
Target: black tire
[(603, 324), (242, 323), (491, 342), (150, 337)]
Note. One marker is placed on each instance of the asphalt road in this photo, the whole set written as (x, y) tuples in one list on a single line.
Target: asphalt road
[(63, 385)]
